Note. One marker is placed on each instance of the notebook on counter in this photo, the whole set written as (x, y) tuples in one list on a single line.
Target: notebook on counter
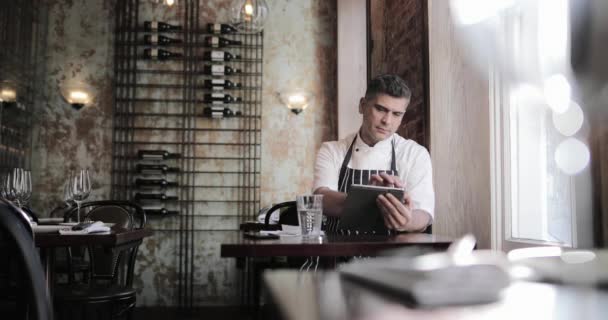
[(459, 276), (361, 213), (447, 286)]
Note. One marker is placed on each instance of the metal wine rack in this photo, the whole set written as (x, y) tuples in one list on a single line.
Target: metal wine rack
[(158, 106), (23, 41)]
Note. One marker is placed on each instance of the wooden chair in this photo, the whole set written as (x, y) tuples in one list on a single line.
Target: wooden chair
[(289, 216), (69, 261), (26, 277), (108, 294)]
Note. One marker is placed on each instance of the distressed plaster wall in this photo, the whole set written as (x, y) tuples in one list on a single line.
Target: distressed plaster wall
[(79, 48), (299, 51)]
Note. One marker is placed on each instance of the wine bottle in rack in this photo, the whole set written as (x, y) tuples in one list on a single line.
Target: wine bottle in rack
[(160, 212), (162, 183), (220, 70), (219, 112), (157, 155), (220, 42), (160, 54), (159, 26), (220, 84), (220, 28), (160, 40), (155, 168), (216, 55), (154, 196), (219, 98)]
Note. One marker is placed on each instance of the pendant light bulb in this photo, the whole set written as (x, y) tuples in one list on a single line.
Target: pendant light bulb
[(248, 16)]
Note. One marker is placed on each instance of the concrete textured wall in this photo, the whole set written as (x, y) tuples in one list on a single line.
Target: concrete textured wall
[(79, 49), (299, 51)]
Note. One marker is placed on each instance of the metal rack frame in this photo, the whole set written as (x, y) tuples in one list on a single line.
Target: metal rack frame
[(23, 41), (172, 121)]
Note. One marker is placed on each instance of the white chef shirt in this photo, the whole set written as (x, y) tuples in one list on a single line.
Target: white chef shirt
[(413, 164)]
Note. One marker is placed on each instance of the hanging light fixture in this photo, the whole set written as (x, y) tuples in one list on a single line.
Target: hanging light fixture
[(248, 16)]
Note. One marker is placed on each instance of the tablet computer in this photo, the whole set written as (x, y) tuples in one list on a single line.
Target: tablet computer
[(361, 213)]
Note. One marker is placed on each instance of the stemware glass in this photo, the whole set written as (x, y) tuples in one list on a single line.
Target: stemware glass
[(24, 187), (81, 187), (3, 186), (8, 191), (13, 186), (68, 196)]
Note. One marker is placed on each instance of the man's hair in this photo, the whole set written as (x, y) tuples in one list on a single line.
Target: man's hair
[(389, 84)]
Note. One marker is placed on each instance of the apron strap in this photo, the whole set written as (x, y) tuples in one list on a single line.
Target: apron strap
[(349, 155), (345, 163), (393, 161)]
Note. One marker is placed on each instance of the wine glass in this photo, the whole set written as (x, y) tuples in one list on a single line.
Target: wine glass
[(5, 186), (12, 186), (80, 187), (26, 184), (24, 187), (68, 196)]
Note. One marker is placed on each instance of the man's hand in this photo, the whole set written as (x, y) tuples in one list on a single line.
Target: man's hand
[(398, 213), (385, 180)]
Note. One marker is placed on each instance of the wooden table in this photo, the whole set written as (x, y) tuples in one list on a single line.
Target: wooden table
[(311, 296), (113, 239), (48, 241), (248, 250), (330, 246)]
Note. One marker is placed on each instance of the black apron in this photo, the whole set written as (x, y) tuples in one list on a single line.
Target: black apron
[(350, 176)]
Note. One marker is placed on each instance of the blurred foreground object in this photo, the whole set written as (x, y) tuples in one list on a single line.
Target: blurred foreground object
[(459, 276), (561, 266), (551, 47)]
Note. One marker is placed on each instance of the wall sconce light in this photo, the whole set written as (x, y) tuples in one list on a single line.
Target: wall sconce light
[(296, 100), (8, 93), (168, 3), (78, 95), (248, 16)]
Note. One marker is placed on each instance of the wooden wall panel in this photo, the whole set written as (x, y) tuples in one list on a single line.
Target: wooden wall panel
[(459, 132), (352, 63), (598, 143), (399, 45)]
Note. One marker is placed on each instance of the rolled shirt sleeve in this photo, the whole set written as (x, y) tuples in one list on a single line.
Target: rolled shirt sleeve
[(413, 163), (419, 182), (326, 168)]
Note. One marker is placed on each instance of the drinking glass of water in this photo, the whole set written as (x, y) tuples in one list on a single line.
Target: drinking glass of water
[(310, 214)]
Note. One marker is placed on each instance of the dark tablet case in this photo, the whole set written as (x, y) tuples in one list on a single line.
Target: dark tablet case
[(361, 213)]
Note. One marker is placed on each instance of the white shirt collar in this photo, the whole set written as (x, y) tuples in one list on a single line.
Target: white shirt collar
[(380, 146)]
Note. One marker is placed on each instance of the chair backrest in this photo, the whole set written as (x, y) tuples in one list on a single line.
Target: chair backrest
[(112, 211), (106, 264), (289, 213), (21, 215), (119, 216), (59, 211), (12, 229)]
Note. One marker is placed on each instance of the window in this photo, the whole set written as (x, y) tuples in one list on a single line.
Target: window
[(533, 199)]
